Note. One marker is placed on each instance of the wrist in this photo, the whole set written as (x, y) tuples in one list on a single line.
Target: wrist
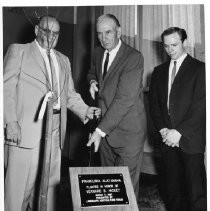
[(93, 81), (100, 132), (177, 132)]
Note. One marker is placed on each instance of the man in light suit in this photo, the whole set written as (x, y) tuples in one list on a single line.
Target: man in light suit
[(28, 79), (121, 132), (177, 105)]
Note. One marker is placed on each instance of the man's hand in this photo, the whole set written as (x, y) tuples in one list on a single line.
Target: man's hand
[(172, 138), (96, 139), (93, 89), (163, 132), (91, 111), (13, 132)]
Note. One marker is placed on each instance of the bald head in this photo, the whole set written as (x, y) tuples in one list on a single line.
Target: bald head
[(45, 20), (47, 32)]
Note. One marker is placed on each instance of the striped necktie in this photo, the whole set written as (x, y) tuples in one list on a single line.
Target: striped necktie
[(173, 74)]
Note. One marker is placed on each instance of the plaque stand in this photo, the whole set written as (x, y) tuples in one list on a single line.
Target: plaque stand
[(102, 188)]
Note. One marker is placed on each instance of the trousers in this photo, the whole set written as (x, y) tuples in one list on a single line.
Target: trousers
[(22, 174)]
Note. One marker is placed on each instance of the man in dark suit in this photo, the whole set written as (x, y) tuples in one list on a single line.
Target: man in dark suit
[(177, 105), (123, 124), (28, 79)]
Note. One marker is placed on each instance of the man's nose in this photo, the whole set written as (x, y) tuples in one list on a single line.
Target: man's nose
[(170, 49), (51, 35), (104, 38)]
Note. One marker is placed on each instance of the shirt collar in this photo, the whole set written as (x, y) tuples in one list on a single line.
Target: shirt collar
[(43, 50), (180, 59)]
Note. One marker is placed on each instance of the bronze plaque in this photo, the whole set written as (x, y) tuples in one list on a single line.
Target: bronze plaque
[(102, 190)]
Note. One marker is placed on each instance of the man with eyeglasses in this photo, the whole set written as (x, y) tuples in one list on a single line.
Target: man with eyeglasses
[(32, 73)]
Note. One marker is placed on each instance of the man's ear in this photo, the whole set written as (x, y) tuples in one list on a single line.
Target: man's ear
[(119, 32), (185, 43), (36, 29)]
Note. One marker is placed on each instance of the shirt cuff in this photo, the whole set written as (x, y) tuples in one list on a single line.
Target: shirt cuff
[(100, 132), (93, 81)]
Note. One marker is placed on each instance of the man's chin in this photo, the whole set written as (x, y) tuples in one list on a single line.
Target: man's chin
[(174, 57), (106, 46)]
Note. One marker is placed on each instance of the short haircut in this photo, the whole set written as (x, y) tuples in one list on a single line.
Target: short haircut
[(110, 16), (182, 33)]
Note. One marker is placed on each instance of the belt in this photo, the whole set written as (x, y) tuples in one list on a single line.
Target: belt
[(56, 111)]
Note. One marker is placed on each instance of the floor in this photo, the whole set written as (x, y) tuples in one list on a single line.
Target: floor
[(150, 197), (150, 191)]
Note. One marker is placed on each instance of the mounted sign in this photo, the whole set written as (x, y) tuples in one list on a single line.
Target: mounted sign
[(102, 189), (99, 188)]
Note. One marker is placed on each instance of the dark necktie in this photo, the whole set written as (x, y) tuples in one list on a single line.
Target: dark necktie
[(173, 74), (105, 65)]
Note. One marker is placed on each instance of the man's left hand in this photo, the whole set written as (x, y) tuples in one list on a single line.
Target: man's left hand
[(91, 111), (172, 138), (96, 139)]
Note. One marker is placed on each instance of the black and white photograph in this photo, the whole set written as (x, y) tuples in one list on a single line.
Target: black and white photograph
[(104, 106)]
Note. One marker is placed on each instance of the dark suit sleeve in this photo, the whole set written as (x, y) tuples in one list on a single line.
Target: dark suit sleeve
[(92, 72), (195, 117), (154, 102), (128, 90)]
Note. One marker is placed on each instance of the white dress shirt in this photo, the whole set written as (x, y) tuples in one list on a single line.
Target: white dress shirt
[(55, 63), (112, 55)]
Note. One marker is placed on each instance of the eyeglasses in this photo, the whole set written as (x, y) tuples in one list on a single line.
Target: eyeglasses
[(48, 31)]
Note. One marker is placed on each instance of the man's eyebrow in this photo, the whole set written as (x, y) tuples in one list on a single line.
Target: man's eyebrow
[(171, 44)]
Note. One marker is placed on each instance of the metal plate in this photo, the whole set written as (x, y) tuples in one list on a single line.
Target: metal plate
[(102, 189)]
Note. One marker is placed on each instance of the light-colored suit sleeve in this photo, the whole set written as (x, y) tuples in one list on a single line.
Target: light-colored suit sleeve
[(12, 68), (74, 101)]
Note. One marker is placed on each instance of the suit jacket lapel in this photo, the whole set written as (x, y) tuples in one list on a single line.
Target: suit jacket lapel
[(117, 60), (165, 77), (36, 55), (62, 70), (99, 65), (183, 68)]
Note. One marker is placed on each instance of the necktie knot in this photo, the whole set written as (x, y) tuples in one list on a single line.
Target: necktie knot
[(49, 52)]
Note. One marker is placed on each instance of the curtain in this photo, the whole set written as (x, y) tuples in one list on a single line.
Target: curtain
[(156, 18), (142, 26), (126, 14), (152, 21)]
